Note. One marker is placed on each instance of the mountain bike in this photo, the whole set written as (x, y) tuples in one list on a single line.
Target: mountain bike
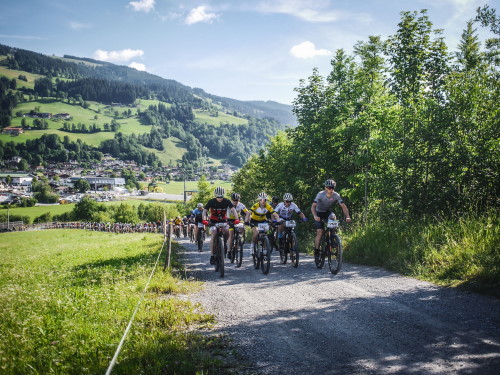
[(184, 230), (331, 247), (200, 236), (262, 249), (288, 244), (177, 231), (219, 248), (235, 253), (191, 232)]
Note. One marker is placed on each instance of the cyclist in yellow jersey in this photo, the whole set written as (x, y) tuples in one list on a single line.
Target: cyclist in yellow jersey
[(257, 214)]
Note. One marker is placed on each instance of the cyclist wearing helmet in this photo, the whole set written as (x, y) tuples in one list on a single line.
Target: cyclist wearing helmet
[(240, 209), (285, 211), (322, 208), (197, 217), (257, 214), (218, 207)]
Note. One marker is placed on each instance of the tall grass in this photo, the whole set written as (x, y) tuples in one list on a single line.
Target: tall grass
[(463, 251), (67, 297)]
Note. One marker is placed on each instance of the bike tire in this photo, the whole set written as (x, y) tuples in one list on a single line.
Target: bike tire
[(239, 252), (265, 256), (294, 249), (256, 257), (231, 253), (335, 254), (319, 257), (199, 240), (282, 249), (220, 256)]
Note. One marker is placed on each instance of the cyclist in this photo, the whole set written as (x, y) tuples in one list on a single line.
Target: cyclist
[(322, 208), (197, 215), (240, 209), (285, 210), (257, 214), (218, 206)]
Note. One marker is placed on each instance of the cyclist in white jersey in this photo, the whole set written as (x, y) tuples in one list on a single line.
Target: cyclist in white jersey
[(322, 209), (285, 211)]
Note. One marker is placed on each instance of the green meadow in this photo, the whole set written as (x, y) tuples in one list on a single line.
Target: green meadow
[(202, 116), (68, 296)]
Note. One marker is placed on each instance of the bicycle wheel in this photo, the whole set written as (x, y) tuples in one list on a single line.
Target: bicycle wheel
[(220, 256), (231, 252), (265, 256), (294, 249), (283, 249), (255, 256), (216, 254), (199, 240), (319, 257), (239, 252), (335, 254)]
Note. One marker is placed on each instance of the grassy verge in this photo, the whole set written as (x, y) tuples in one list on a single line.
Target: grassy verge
[(67, 297), (463, 252)]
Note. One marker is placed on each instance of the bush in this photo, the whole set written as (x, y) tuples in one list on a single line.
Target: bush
[(25, 219), (44, 218)]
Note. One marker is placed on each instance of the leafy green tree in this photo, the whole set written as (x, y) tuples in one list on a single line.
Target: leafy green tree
[(86, 209), (81, 185)]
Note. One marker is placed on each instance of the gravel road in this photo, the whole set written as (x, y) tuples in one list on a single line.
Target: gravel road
[(365, 320)]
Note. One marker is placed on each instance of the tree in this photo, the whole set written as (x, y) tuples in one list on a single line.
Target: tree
[(81, 185)]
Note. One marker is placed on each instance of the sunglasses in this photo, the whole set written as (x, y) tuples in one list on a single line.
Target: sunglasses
[(329, 187), (219, 196), (288, 201)]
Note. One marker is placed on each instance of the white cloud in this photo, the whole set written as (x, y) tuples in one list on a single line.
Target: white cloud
[(199, 14), (309, 10), (143, 5), (306, 50), (138, 66), (78, 25), (117, 56)]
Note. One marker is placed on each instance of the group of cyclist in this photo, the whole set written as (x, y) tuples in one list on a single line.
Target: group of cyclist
[(231, 211)]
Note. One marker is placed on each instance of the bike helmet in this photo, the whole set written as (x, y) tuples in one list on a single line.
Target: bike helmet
[(330, 183), (275, 200), (199, 205), (219, 192), (235, 197), (262, 195), (288, 197)]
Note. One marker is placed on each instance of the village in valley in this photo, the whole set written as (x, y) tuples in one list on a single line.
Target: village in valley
[(104, 178)]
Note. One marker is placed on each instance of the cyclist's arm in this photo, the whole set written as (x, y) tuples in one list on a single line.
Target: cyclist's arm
[(204, 215), (313, 210), (346, 212)]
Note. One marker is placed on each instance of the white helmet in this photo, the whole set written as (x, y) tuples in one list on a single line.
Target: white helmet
[(219, 192), (199, 205), (329, 183), (288, 197), (262, 195)]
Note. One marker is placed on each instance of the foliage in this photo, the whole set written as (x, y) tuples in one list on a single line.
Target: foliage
[(81, 185), (14, 217), (404, 127), (461, 250)]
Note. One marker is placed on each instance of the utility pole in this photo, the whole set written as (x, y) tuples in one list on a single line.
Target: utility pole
[(8, 216)]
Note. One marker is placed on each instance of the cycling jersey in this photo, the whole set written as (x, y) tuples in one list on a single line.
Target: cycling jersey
[(240, 207), (259, 213), (177, 222), (197, 214), (323, 203), (218, 210), (286, 212)]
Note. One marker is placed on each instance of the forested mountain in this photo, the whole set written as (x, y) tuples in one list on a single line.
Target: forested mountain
[(78, 80)]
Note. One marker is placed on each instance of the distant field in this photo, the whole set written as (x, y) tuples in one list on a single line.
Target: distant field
[(204, 116), (9, 73), (177, 187)]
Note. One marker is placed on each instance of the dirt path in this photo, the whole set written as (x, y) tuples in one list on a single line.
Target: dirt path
[(363, 321)]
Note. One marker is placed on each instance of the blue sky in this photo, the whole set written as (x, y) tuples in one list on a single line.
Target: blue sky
[(242, 49)]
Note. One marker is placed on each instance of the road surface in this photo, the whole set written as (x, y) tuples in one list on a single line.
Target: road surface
[(364, 320)]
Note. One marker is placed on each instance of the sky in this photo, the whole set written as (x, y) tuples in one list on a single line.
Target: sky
[(241, 49)]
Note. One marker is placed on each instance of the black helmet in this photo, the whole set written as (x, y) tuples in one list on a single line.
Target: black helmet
[(235, 197), (275, 199)]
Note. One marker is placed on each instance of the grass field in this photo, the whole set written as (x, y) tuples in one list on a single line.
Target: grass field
[(10, 73), (68, 295), (202, 116)]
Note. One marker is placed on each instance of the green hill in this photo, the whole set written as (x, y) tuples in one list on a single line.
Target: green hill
[(172, 121)]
